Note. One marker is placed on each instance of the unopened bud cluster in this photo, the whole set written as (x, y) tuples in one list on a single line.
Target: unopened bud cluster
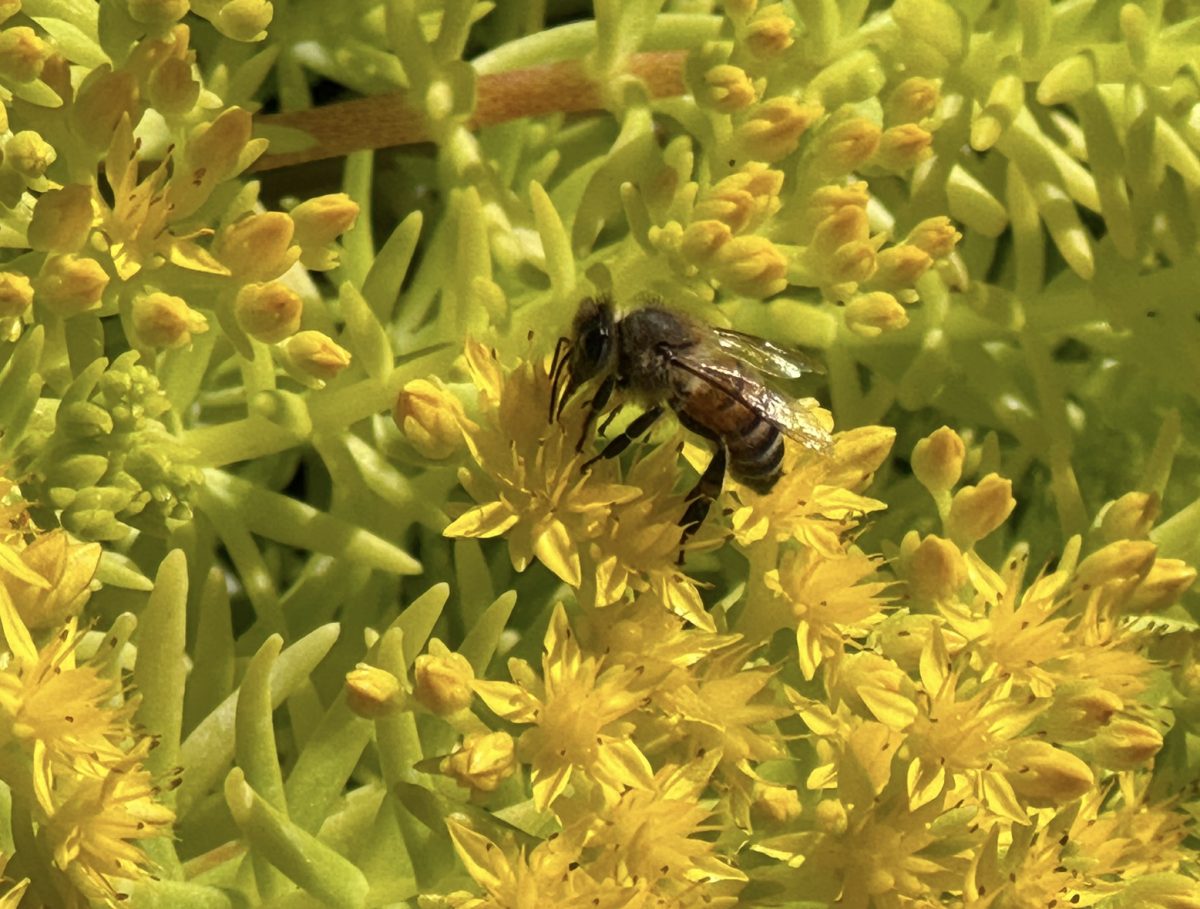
[(107, 461)]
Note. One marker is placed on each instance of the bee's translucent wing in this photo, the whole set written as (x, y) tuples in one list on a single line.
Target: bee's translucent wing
[(794, 417), (765, 356)]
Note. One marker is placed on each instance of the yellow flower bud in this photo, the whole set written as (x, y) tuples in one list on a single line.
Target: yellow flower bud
[(901, 266), (431, 419), (828, 201), (872, 314), (742, 200), (16, 293), (258, 247), (756, 178), (173, 87), (69, 285), (244, 20), (770, 32), (702, 239), (1166, 582), (914, 98), (775, 805), (851, 264), (68, 566), (485, 760), (62, 219), (165, 321), (936, 570), (903, 147), (751, 266), (319, 222), (442, 679), (22, 54), (975, 511), (268, 312), (936, 236), (8, 9), (1125, 744), (773, 128), (831, 817), (733, 208), (371, 692), (216, 146), (316, 354), (1124, 560), (847, 224), (904, 636), (845, 146), (158, 12), (103, 99), (1043, 775), (729, 88), (1131, 516), (937, 460), (1077, 711), (29, 154)]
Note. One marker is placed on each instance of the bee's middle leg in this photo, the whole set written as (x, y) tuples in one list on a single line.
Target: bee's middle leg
[(595, 405), (701, 497), (618, 444)]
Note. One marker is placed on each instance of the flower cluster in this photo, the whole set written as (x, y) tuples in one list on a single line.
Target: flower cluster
[(950, 710), (104, 460), (621, 536), (72, 756)]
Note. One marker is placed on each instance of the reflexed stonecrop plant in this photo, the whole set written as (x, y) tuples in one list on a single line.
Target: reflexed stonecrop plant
[(307, 602)]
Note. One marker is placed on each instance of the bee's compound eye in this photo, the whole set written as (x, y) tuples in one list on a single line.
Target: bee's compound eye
[(595, 344)]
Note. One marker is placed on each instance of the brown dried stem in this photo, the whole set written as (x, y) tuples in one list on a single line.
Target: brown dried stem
[(384, 121)]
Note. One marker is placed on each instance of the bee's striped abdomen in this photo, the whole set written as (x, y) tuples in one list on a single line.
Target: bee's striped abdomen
[(756, 454), (755, 447)]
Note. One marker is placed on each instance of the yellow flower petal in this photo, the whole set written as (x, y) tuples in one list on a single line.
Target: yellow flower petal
[(483, 861), (15, 632), (11, 562), (508, 701), (997, 794), (488, 520), (557, 551), (624, 764), (549, 786), (889, 707)]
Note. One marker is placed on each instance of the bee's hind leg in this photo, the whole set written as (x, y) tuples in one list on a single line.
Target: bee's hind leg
[(618, 444), (701, 497)]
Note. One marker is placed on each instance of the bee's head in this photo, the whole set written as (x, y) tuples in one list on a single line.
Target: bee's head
[(592, 344), (592, 348)]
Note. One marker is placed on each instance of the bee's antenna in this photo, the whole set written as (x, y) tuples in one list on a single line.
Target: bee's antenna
[(557, 364)]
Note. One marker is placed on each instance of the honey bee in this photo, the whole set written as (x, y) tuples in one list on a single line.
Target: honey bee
[(712, 378)]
